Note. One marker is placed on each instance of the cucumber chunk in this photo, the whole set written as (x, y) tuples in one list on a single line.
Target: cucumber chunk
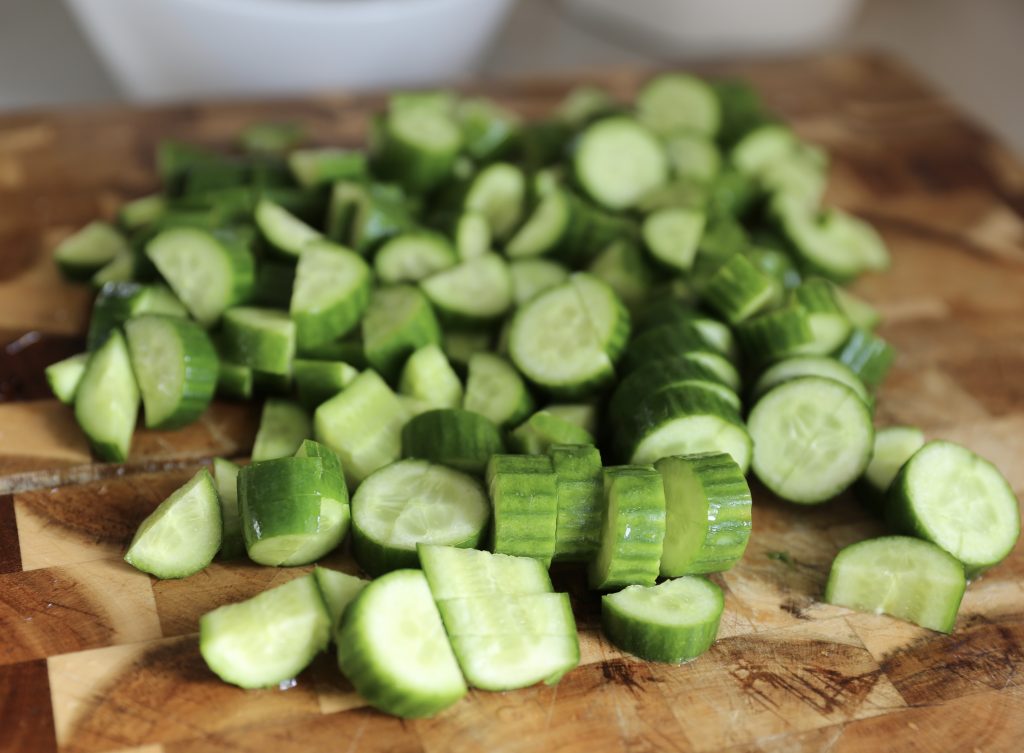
[(524, 496), (63, 377), (284, 426), (338, 591), (675, 102), (225, 475), (319, 381), (398, 321), (537, 434), (496, 390), (107, 400), (894, 446), (673, 234), (411, 257), (457, 438), (498, 193), (820, 366), (282, 229), (82, 254), (455, 573), (428, 377), (618, 161), (330, 295), (579, 489), (474, 292), (261, 338)]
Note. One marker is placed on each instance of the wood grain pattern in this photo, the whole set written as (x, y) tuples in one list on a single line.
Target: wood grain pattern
[(97, 657)]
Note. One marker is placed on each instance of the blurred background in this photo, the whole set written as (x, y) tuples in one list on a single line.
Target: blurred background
[(66, 52)]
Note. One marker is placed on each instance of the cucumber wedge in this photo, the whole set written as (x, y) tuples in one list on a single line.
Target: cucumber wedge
[(331, 293), (82, 254), (618, 160), (261, 338), (338, 591), (429, 377), (398, 321), (457, 438), (107, 400), (63, 377), (284, 426), (225, 475), (894, 446), (496, 390)]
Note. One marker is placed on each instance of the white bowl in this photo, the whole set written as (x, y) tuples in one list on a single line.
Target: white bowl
[(719, 27), (173, 49)]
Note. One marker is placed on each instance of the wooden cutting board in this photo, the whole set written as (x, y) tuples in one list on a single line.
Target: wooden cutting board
[(95, 656)]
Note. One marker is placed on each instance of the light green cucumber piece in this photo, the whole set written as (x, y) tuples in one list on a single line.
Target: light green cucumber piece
[(618, 161), (225, 475), (738, 290), (417, 147), (868, 356), (411, 257), (539, 432), (488, 129), (858, 238), (429, 378), (117, 302), (508, 662), (664, 374), (142, 212), (774, 335), (107, 400), (673, 102), (476, 291), (330, 295), (671, 622), (707, 514), (268, 639), (321, 166), (822, 250), (84, 253), (182, 535), (583, 415), (471, 235), (531, 277), (319, 381), (338, 591), (282, 229), (812, 438), (393, 649), (270, 139), (526, 614), (461, 344), (672, 236), (544, 229), (523, 492), (821, 366), (284, 426), (829, 326), (399, 320), (693, 156), (624, 268), (498, 192), (900, 576), (414, 502), (460, 439), (63, 377), (122, 268), (454, 572), (495, 389), (762, 147), (579, 489), (860, 313), (894, 446)]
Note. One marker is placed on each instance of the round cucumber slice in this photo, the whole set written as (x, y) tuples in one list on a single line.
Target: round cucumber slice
[(330, 295), (476, 291), (544, 229), (411, 257), (495, 389), (618, 161), (675, 102), (460, 439), (812, 439), (414, 502), (672, 622), (894, 446), (820, 366), (673, 234)]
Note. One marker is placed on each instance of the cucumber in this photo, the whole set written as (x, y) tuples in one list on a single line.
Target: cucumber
[(523, 492), (209, 272), (398, 321), (775, 335), (428, 377), (81, 255), (318, 381), (460, 345), (122, 268), (868, 356), (460, 439), (142, 212), (672, 236), (763, 146), (545, 227), (363, 424), (820, 250), (802, 176), (498, 192), (312, 168), (282, 229), (812, 438), (579, 490), (514, 660), (820, 366), (585, 103), (330, 295), (234, 380), (893, 447), (268, 639), (707, 514), (107, 400), (176, 366), (632, 528), (261, 338), (284, 426), (860, 313), (182, 535), (225, 474), (900, 576), (539, 614), (117, 302), (414, 502), (471, 235), (488, 130), (673, 102), (63, 377), (667, 341), (537, 434), (338, 591), (393, 648), (829, 325), (475, 292), (417, 147), (624, 268), (738, 290), (411, 257), (858, 238), (673, 622), (495, 389), (693, 156), (664, 374), (454, 572), (531, 277), (618, 160), (583, 415), (949, 496)]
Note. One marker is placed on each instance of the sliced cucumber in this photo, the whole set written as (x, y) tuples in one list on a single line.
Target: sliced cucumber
[(460, 439), (428, 377), (488, 129), (399, 321), (675, 102), (812, 438), (282, 229), (821, 250), (738, 290), (63, 377), (512, 661), (414, 502), (142, 212), (235, 380), (538, 614), (319, 381), (625, 269), (523, 492), (417, 147), (82, 254), (861, 314), (858, 238), (672, 235), (330, 295), (580, 491), (175, 364), (666, 341), (317, 167), (545, 228), (107, 400), (225, 474), (471, 235), (707, 514), (672, 622), (338, 591), (799, 366), (268, 639), (763, 146), (907, 578), (411, 257), (117, 302), (829, 325), (461, 344), (664, 374), (868, 356), (182, 535), (775, 335), (948, 495), (284, 426), (393, 648), (474, 292), (261, 338), (454, 572), (693, 156), (632, 528), (537, 434), (496, 390), (498, 192), (894, 446), (618, 161), (583, 415)]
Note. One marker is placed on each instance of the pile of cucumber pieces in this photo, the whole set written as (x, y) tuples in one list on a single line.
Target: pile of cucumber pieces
[(565, 340)]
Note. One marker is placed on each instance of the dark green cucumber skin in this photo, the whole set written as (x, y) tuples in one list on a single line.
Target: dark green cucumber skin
[(654, 376), (579, 494), (387, 357), (524, 495), (774, 335), (664, 341), (114, 304), (267, 500), (457, 438), (623, 631), (234, 380)]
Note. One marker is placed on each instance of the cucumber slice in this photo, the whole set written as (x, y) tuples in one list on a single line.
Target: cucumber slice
[(763, 146), (393, 648), (284, 426), (738, 290), (142, 212), (583, 415), (860, 313), (774, 335), (508, 662), (363, 425), (474, 292), (537, 614), (894, 446), (495, 389), (693, 156), (579, 491), (209, 272), (858, 238), (624, 268), (707, 514), (461, 345), (585, 103), (428, 377), (537, 434), (868, 356), (454, 572), (498, 192), (261, 338), (225, 474), (84, 253), (471, 235), (321, 166), (545, 228), (234, 380), (122, 268), (417, 147), (672, 236), (331, 293), (948, 495), (282, 229), (531, 277), (818, 249), (338, 591), (675, 102), (182, 535), (820, 366), (175, 364), (667, 341), (399, 321), (665, 374), (523, 492), (107, 400), (457, 438), (488, 130), (632, 528), (618, 161), (411, 257), (63, 377), (812, 439), (673, 622), (268, 639), (829, 325), (414, 502), (319, 381), (117, 302), (899, 576)]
